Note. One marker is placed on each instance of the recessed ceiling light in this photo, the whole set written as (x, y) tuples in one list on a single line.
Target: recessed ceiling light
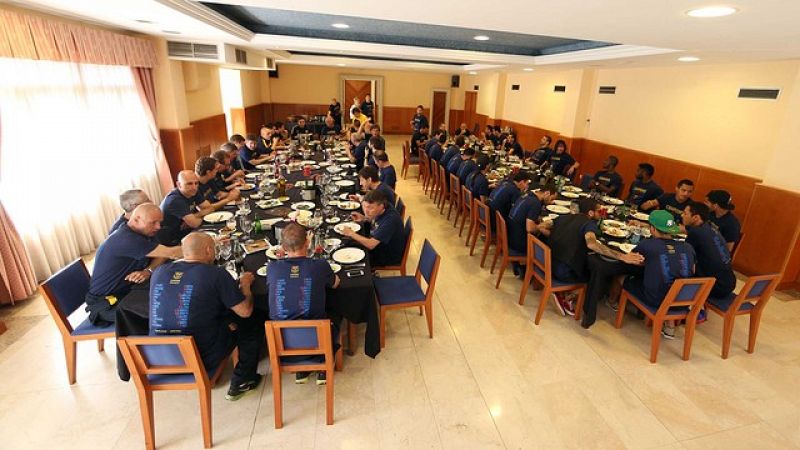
[(528, 69), (341, 26), (341, 64), (144, 21), (473, 73), (170, 32), (688, 59), (481, 37), (712, 11)]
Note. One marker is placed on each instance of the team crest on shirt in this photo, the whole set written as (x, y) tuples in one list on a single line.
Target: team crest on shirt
[(294, 272), (176, 278)]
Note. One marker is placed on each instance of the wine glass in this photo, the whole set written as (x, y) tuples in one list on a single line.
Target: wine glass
[(329, 246), (316, 220), (269, 189), (231, 223), (225, 249), (247, 226)]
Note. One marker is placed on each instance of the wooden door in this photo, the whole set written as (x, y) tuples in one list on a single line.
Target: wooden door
[(438, 109), (470, 103), (354, 88)]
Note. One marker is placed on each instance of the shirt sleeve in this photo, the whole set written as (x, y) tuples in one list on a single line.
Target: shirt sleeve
[(177, 207), (663, 200), (136, 246), (590, 227), (384, 231), (229, 292)]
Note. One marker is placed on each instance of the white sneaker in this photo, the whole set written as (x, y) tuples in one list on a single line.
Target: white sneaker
[(668, 331)]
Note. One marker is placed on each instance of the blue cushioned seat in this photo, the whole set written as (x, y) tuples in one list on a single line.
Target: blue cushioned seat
[(553, 280), (654, 309), (86, 327), (724, 303), (394, 290)]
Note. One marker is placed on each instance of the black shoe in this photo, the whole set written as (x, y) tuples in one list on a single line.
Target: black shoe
[(585, 323), (301, 377), (235, 392), (515, 266), (321, 378)]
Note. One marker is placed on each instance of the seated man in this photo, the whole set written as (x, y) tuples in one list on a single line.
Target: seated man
[(128, 201), (462, 130), (370, 181), (505, 194), (124, 262), (608, 181), (264, 143), (561, 162), (237, 162), (713, 257), (665, 260), (512, 146), (451, 152), (643, 189), (358, 153), (194, 297), (183, 209), (297, 287), (524, 217), (374, 144), (375, 131), (331, 127), (571, 238), (227, 177), (437, 148), (719, 202), (465, 153), (673, 203), (248, 155), (387, 239), (468, 166), (418, 140), (386, 172), (206, 170), (541, 154), (300, 128), (476, 182)]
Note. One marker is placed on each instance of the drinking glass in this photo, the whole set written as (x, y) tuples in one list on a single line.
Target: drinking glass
[(247, 226), (329, 247), (231, 223), (225, 249)]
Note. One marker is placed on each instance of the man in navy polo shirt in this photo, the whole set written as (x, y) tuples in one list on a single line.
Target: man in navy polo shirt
[(194, 297), (183, 209), (226, 175), (561, 162), (264, 142), (643, 188), (468, 166), (387, 239), (418, 139), (503, 196), (249, 156), (386, 172), (419, 121), (297, 287), (608, 181), (124, 262), (451, 151), (476, 182), (433, 140), (523, 218), (673, 203), (128, 201), (713, 257), (437, 149), (455, 162), (542, 153), (370, 181), (719, 202), (206, 169), (512, 146), (359, 150)]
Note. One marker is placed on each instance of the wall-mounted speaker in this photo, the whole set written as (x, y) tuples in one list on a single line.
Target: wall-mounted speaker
[(455, 81)]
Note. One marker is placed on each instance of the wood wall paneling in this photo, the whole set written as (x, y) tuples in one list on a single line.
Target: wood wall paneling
[(189, 147), (455, 119), (239, 123), (173, 150), (254, 118), (396, 119), (280, 111)]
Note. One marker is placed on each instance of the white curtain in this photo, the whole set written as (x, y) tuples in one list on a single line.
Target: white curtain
[(74, 136)]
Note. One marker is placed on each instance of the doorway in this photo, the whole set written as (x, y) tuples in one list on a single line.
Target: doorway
[(470, 104), (440, 108), (360, 86)]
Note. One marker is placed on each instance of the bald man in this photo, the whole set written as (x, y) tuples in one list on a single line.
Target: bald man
[(124, 262), (194, 297), (128, 201), (184, 208)]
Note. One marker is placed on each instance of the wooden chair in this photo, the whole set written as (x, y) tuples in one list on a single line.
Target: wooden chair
[(737, 246), (416, 160), (444, 189), (434, 183), (409, 233), (424, 170), (455, 197), (466, 212), (684, 301), (751, 300), (482, 224), (406, 291), (307, 338), (406, 160), (169, 363), (508, 255), (401, 207), (64, 292), (539, 267)]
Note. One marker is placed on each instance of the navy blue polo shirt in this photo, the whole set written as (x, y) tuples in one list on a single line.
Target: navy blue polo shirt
[(478, 184), (467, 167), (436, 152), (641, 192), (664, 261), (431, 142), (245, 156), (388, 192), (449, 154), (562, 271), (175, 206), (419, 121), (124, 251), (503, 197), (526, 207), (728, 226), (208, 191), (335, 129), (610, 180), (671, 204), (542, 154), (236, 163), (116, 224), (560, 162), (297, 288), (454, 164), (388, 229), (263, 146), (360, 153), (388, 176), (713, 257), (514, 149), (415, 138), (194, 299)]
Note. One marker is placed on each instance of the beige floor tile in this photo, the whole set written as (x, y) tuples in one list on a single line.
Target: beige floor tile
[(759, 436)]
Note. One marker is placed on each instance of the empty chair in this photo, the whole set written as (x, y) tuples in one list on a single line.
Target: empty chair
[(408, 231), (683, 301), (401, 207), (406, 291), (64, 293), (482, 226), (751, 300), (455, 197), (310, 344), (161, 363), (539, 267), (466, 213), (508, 255)]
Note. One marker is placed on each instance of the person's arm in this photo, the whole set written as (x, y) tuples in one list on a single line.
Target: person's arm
[(571, 170), (163, 252), (596, 246), (235, 175), (245, 307), (336, 281), (368, 242), (545, 227), (650, 204)]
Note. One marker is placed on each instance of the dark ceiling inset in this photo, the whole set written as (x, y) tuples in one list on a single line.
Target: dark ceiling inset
[(312, 25)]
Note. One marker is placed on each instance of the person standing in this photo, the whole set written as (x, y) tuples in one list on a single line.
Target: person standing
[(419, 121), (335, 112), (368, 107)]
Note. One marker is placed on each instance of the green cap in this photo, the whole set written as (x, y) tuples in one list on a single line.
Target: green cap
[(664, 222)]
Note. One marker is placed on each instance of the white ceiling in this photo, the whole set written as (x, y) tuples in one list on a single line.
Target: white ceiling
[(652, 29)]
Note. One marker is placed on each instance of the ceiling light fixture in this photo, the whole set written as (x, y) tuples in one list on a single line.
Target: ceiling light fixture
[(481, 37), (170, 32), (712, 11), (528, 69), (473, 73), (145, 21), (341, 64), (341, 26), (688, 59)]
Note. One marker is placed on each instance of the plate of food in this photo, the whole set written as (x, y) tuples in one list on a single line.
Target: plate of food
[(623, 246), (262, 271), (616, 232), (570, 194), (246, 186), (335, 267), (641, 216), (349, 166), (572, 188), (615, 224), (217, 217), (349, 205), (334, 169), (562, 202), (267, 204), (612, 200), (345, 196), (284, 198), (276, 252), (351, 225), (303, 206), (343, 159), (333, 220), (325, 164), (308, 162), (348, 255), (333, 242), (263, 166), (251, 175), (558, 209), (345, 183), (255, 246)]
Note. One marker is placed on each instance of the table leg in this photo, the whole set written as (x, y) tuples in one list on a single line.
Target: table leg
[(351, 338)]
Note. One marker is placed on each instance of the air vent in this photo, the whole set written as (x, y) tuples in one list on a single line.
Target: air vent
[(475, 88), (189, 50), (559, 89), (514, 87), (762, 94), (608, 89), (241, 56)]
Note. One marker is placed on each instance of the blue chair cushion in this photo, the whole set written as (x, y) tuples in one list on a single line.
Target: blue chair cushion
[(86, 327), (725, 303), (675, 310), (396, 290), (302, 360), (556, 282), (414, 160)]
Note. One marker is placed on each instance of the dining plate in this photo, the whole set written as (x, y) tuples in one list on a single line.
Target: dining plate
[(345, 183), (272, 252), (303, 206), (335, 267), (335, 242), (263, 166), (217, 217), (572, 189), (562, 202), (262, 271), (284, 198), (569, 194), (267, 204), (315, 167), (345, 196), (612, 200), (334, 169), (334, 202), (246, 186), (349, 206), (348, 255), (343, 159), (349, 166), (623, 246), (616, 232), (558, 209), (352, 225), (615, 224), (641, 216), (325, 164), (308, 162), (300, 216), (251, 175), (333, 220)]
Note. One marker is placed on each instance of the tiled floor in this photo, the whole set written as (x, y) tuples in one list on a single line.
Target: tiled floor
[(488, 379)]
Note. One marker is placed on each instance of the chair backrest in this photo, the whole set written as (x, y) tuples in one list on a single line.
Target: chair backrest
[(163, 360), (299, 338), (687, 292), (435, 169), (586, 180), (401, 207), (408, 232), (406, 151), (757, 290), (455, 185), (737, 245), (442, 175), (428, 266), (502, 236), (466, 198), (482, 213), (65, 291), (539, 258)]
